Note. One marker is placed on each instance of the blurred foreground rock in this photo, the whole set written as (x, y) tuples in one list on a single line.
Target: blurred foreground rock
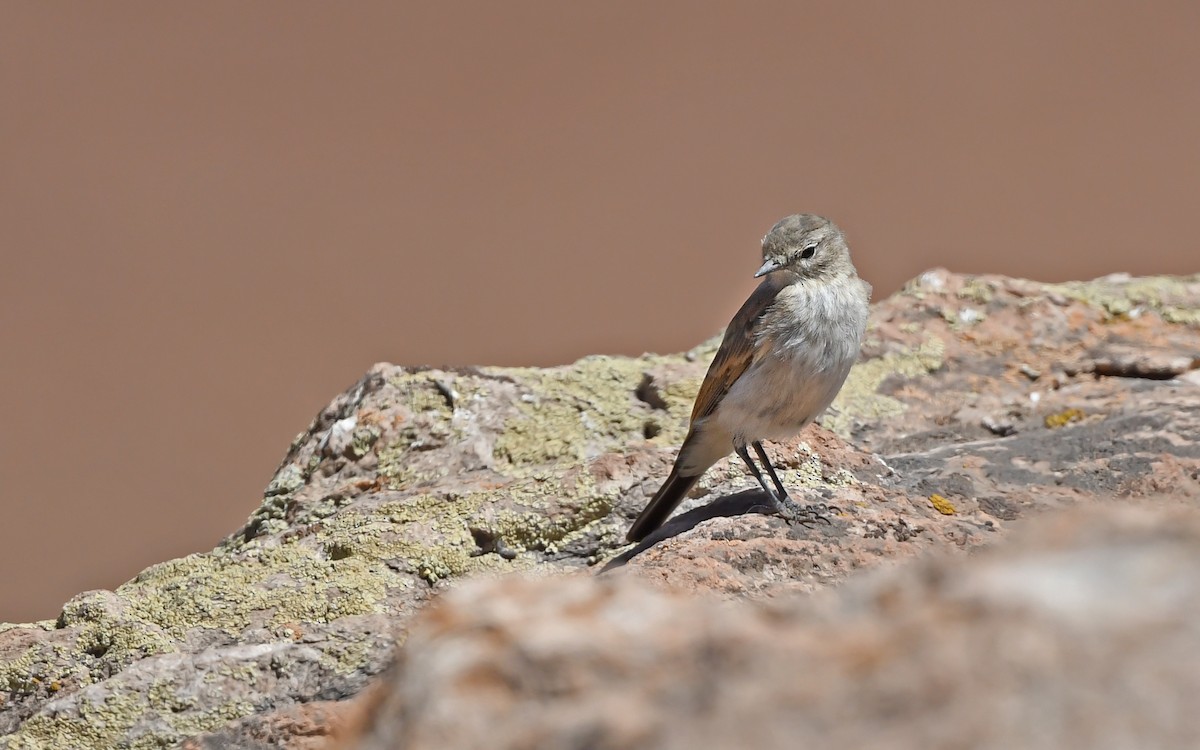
[(1083, 633), (978, 401)]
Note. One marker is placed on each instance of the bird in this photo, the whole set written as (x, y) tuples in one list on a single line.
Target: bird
[(781, 362)]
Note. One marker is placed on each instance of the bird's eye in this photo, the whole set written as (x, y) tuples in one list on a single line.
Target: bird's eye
[(809, 251)]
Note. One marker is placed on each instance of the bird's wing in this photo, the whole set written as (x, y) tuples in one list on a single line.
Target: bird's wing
[(739, 347)]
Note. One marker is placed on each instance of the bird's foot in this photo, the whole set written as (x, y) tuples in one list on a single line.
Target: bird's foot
[(805, 515)]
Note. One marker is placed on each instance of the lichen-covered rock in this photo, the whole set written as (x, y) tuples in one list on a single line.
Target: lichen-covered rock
[(303, 726), (1084, 633), (979, 400)]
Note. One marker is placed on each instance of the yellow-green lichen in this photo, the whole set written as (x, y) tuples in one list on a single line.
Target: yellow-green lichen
[(293, 582), (859, 398), (1180, 315), (534, 530), (440, 544), (348, 654), (842, 478), (43, 624), (428, 397), (289, 479), (177, 707), (1063, 418), (420, 392), (809, 473), (39, 666), (977, 290), (272, 586), (363, 439), (397, 473), (104, 722), (679, 396), (1172, 297), (960, 320), (545, 513), (121, 643), (270, 517), (727, 470), (571, 413)]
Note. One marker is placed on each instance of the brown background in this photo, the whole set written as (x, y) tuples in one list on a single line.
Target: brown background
[(214, 216)]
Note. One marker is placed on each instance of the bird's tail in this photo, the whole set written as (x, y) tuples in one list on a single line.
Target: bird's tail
[(668, 497)]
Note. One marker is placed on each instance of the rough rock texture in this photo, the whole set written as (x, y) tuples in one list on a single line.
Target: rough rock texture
[(304, 726), (979, 400), (1083, 634)]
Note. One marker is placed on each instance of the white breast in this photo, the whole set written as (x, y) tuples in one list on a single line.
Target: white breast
[(809, 340)]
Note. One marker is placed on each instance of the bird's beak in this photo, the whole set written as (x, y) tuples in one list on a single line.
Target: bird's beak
[(767, 267)]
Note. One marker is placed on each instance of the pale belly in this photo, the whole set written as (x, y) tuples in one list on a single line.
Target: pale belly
[(810, 341), (779, 396)]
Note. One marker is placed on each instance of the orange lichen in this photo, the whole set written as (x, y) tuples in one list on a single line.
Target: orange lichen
[(1054, 421), (942, 505)]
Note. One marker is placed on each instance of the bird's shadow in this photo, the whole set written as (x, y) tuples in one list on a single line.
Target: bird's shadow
[(727, 506)]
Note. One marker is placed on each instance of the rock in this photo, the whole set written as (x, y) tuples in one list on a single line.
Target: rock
[(305, 726), (1084, 632), (415, 479), (1142, 362)]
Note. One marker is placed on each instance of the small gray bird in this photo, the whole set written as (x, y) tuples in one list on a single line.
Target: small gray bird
[(783, 359)]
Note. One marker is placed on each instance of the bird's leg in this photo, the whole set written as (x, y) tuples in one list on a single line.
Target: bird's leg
[(740, 449), (782, 495), (788, 508)]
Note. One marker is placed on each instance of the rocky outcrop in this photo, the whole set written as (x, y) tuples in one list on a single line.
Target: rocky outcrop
[(979, 401), (1082, 633)]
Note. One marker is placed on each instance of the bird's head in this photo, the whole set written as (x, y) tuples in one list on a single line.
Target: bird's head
[(807, 245)]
